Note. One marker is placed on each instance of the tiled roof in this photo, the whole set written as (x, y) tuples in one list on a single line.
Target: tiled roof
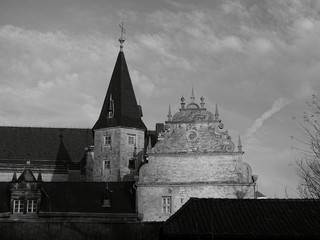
[(126, 109), (27, 176), (88, 197), (51, 146), (82, 197), (78, 230), (245, 218)]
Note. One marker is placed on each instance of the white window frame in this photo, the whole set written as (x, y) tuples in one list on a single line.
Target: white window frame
[(166, 204), (107, 140), (131, 139), (32, 206), (18, 206)]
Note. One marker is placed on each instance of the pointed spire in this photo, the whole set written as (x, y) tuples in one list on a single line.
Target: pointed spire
[(169, 114), (121, 39), (126, 110), (192, 95), (14, 177), (216, 115), (239, 145), (39, 179)]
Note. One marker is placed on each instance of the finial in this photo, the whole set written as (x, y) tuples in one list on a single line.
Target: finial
[(121, 39), (202, 102), (182, 102), (192, 95), (216, 115), (169, 114), (239, 145), (39, 179), (14, 177)]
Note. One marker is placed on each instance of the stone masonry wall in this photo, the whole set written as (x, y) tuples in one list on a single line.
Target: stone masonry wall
[(194, 168), (118, 153), (149, 197)]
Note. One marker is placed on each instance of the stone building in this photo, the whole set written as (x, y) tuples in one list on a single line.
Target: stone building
[(119, 133), (191, 155), (194, 157)]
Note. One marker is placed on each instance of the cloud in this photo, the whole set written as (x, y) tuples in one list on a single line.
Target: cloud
[(276, 107)]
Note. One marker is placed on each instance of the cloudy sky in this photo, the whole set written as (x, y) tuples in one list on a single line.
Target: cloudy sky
[(258, 60)]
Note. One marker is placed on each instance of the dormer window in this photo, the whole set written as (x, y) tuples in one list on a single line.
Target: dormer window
[(32, 206), (131, 139), (106, 203), (18, 206), (107, 140)]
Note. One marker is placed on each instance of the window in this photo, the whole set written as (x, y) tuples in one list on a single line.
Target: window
[(106, 202), (106, 164), (132, 163), (131, 139), (107, 140), (18, 206), (166, 204), (32, 206)]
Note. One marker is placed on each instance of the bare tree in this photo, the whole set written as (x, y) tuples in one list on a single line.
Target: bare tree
[(308, 167)]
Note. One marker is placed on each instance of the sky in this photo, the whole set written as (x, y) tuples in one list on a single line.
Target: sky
[(258, 60)]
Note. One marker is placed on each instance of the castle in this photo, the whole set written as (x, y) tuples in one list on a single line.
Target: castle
[(191, 155)]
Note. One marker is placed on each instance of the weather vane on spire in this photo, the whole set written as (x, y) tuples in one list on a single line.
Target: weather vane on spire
[(121, 39)]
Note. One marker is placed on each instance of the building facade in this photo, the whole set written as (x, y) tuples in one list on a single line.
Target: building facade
[(195, 157), (191, 156)]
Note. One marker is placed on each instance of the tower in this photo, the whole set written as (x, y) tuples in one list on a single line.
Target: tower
[(119, 132)]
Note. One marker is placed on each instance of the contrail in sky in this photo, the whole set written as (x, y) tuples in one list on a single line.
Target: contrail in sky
[(276, 107)]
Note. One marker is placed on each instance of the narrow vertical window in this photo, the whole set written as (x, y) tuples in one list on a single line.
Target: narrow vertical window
[(131, 139), (107, 140), (132, 163), (106, 164), (32, 206), (18, 206), (166, 204)]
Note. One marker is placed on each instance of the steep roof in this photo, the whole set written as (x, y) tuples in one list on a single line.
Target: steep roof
[(245, 218), (43, 145), (88, 197), (126, 112)]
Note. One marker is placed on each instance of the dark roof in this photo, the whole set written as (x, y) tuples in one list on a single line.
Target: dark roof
[(88, 197), (27, 176), (4, 197), (245, 218), (39, 230), (126, 110), (43, 145)]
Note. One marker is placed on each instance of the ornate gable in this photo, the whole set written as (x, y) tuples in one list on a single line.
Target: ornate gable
[(194, 129)]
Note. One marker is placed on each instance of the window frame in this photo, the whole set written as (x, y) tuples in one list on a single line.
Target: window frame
[(106, 164), (33, 205), (134, 163), (107, 140), (131, 139), (166, 204), (18, 206)]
